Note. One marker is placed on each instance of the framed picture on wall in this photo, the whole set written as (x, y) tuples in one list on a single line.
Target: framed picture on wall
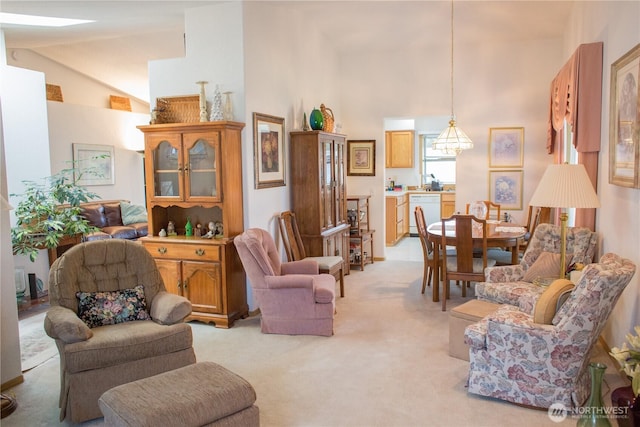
[(505, 188), (506, 147), (93, 164), (361, 157), (268, 158), (624, 120)]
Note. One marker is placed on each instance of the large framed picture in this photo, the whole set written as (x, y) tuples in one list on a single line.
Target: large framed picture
[(624, 120), (505, 188), (93, 164), (361, 157), (506, 147), (268, 159)]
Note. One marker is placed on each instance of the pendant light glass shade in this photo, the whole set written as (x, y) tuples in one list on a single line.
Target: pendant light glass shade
[(452, 140)]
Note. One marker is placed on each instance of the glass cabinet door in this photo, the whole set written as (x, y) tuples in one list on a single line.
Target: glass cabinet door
[(341, 203), (166, 167), (327, 185), (202, 167)]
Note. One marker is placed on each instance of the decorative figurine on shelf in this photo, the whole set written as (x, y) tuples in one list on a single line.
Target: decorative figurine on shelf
[(219, 233), (171, 229), (188, 228), (328, 120), (227, 112), (197, 231), (203, 101), (305, 123), (162, 233), (216, 107), (212, 231), (316, 120)]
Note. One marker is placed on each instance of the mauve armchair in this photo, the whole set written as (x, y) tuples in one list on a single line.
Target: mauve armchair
[(293, 298)]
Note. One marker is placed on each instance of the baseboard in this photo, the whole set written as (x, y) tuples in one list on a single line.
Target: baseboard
[(12, 383)]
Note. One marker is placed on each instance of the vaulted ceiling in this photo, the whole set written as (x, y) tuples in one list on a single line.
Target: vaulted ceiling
[(126, 34)]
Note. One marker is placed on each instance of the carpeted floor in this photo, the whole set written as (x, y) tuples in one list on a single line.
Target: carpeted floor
[(386, 365)]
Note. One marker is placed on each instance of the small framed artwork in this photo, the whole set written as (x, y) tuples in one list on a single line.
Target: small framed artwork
[(93, 164), (506, 147), (361, 157), (505, 188), (624, 120), (268, 158)]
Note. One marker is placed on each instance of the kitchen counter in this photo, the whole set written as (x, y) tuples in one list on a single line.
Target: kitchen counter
[(403, 192)]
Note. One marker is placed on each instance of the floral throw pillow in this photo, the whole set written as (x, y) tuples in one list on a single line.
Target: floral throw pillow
[(108, 308)]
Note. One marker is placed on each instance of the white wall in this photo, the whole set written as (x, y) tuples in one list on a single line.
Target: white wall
[(76, 88), (254, 48), (497, 85), (23, 133), (617, 222)]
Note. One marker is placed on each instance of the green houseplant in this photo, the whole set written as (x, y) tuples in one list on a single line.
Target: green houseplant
[(49, 211)]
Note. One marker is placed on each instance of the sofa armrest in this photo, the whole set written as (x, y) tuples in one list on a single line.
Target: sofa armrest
[(63, 324), (169, 309), (504, 273), (305, 266)]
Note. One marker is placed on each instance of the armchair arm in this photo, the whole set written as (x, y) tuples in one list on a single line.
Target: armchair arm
[(290, 281), (63, 324), (514, 342), (305, 266), (169, 309), (504, 273)]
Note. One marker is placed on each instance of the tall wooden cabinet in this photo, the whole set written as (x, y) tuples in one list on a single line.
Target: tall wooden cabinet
[(318, 192), (193, 172)]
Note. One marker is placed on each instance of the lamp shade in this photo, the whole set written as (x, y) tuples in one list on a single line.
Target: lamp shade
[(565, 186), (452, 140)]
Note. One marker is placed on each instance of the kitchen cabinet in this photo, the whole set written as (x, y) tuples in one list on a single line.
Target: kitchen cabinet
[(399, 149), (193, 172), (447, 204), (318, 192), (397, 222), (360, 234)]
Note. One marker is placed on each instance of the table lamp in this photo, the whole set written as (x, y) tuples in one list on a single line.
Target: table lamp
[(565, 186)]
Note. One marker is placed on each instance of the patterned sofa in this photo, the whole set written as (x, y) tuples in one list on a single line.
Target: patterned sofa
[(116, 219), (515, 359), (513, 284)]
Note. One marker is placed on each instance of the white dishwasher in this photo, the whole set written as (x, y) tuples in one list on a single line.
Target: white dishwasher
[(430, 204)]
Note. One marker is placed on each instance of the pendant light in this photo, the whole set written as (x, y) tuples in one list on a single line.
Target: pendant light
[(452, 140)]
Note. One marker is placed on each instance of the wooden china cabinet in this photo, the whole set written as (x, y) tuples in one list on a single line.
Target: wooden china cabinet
[(318, 193), (193, 172)]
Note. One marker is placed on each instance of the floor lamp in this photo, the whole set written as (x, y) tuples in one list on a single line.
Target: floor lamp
[(565, 186)]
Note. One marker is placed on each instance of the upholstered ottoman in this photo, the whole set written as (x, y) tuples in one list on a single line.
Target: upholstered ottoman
[(462, 316), (202, 394)]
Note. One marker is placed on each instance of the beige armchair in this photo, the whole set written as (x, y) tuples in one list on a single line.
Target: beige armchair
[(102, 277)]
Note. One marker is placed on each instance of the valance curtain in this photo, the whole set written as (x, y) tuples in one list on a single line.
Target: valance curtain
[(576, 95)]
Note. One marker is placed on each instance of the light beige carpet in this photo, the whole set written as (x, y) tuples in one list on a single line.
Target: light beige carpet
[(386, 365)]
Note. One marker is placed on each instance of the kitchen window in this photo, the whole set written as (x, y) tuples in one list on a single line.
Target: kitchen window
[(441, 166)]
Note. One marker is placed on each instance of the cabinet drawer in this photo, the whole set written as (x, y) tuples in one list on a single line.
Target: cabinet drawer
[(186, 252)]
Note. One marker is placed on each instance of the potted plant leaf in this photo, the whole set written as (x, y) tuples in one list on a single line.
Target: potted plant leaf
[(49, 211)]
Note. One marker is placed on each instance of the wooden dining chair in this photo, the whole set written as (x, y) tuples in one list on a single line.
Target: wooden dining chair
[(493, 210), (464, 266), (427, 249), (295, 251)]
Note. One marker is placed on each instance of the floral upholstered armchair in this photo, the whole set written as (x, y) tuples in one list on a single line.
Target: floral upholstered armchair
[(513, 284), (515, 359)]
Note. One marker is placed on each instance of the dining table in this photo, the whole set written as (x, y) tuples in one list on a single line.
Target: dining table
[(500, 234)]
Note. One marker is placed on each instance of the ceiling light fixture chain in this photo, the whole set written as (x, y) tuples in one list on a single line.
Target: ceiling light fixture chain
[(452, 140)]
